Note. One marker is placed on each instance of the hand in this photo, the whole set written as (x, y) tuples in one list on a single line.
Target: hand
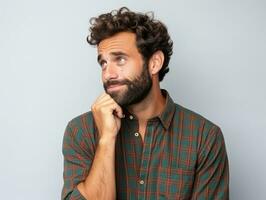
[(107, 115)]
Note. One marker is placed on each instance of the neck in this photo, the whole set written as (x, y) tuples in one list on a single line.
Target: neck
[(152, 105)]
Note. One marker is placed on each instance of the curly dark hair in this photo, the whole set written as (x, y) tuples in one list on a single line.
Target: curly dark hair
[(151, 34)]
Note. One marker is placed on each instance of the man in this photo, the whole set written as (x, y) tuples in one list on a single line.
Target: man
[(136, 143)]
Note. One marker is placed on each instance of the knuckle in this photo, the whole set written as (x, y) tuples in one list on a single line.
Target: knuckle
[(93, 108)]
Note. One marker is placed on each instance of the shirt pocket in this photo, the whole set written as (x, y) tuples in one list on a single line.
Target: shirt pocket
[(176, 183)]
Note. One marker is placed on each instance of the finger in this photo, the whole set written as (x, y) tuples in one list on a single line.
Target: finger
[(105, 100), (101, 100), (101, 97), (119, 113), (104, 103), (118, 110), (112, 107)]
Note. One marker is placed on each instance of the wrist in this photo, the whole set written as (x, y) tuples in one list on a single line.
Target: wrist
[(107, 140), (106, 146)]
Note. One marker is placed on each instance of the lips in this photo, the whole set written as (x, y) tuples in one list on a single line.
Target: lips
[(114, 87)]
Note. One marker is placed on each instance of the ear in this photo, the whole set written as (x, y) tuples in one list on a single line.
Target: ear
[(156, 62)]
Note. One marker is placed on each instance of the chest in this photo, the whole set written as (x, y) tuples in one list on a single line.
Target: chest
[(162, 162)]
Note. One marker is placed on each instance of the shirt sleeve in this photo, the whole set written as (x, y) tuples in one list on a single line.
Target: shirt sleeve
[(77, 161), (212, 173)]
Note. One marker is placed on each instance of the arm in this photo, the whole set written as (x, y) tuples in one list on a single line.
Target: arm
[(77, 159), (100, 183), (93, 176), (212, 173)]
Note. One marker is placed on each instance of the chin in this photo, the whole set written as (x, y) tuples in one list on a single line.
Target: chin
[(117, 96)]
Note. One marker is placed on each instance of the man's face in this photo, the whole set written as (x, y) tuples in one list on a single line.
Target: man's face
[(125, 76)]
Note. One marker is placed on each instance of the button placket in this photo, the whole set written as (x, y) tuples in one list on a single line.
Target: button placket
[(145, 160)]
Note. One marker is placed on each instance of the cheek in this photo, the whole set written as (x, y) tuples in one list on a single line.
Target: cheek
[(123, 72), (133, 69), (102, 76)]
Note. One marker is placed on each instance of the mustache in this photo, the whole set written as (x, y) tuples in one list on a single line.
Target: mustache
[(108, 83)]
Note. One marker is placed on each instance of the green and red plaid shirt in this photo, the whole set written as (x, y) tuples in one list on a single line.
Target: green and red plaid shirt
[(183, 156)]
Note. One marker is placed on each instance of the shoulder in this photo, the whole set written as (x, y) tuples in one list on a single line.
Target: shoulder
[(83, 121), (81, 127), (194, 123), (80, 137), (203, 133), (188, 114)]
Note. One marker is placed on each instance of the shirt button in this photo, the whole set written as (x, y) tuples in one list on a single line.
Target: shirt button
[(141, 182), (136, 134), (131, 117)]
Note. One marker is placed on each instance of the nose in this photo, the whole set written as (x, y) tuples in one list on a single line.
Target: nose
[(110, 72)]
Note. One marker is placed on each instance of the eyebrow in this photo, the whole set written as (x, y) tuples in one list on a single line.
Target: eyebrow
[(116, 53)]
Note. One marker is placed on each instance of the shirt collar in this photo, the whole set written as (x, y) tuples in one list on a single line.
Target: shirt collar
[(167, 114)]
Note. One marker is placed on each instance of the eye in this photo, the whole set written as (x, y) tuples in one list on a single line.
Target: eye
[(121, 60), (103, 63)]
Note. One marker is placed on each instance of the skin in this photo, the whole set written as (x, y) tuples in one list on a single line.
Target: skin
[(119, 59)]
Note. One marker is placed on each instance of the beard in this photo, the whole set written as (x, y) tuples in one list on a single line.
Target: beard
[(136, 89)]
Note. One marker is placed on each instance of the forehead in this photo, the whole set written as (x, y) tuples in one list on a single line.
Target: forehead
[(124, 41)]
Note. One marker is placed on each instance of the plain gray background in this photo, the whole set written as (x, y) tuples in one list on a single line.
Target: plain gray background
[(49, 75)]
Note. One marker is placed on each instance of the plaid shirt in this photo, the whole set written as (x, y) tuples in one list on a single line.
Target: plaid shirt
[(183, 156)]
